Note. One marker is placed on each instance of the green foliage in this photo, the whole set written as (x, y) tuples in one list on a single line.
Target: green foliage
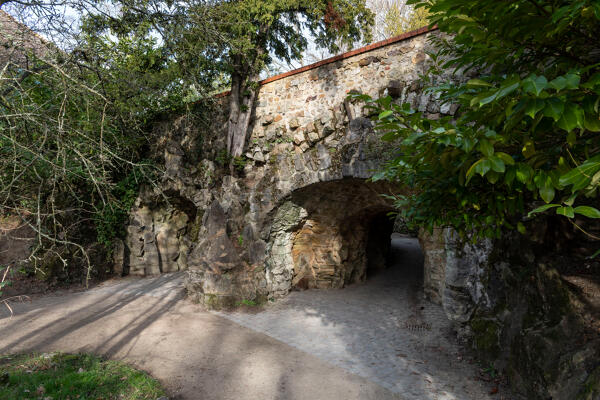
[(239, 163), (111, 219), (526, 128), (400, 19), (260, 29), (249, 303), (222, 158), (72, 127), (63, 376), (491, 371), (205, 43)]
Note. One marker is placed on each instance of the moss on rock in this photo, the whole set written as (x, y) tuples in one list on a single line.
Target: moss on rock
[(591, 390), (486, 336), (194, 227)]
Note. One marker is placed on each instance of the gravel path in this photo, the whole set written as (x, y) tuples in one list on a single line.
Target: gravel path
[(378, 340), (382, 330)]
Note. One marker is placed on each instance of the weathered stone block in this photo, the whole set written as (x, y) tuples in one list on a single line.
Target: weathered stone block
[(294, 124), (313, 136), (299, 137), (268, 119)]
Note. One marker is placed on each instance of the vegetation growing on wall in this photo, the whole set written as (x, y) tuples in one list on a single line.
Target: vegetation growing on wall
[(526, 131), (76, 116), (74, 132)]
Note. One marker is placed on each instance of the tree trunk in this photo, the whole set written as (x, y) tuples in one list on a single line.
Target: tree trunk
[(234, 111), (239, 139), (243, 97), (241, 106)]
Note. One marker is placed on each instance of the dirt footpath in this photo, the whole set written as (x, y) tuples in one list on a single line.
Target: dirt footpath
[(195, 354), (375, 340)]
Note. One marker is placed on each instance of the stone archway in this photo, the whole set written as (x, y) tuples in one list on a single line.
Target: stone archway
[(327, 235)]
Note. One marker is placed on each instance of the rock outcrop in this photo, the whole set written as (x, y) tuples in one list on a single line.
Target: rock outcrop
[(156, 241), (520, 314)]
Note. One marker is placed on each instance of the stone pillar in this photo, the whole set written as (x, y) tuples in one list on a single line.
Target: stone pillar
[(433, 246), (280, 262)]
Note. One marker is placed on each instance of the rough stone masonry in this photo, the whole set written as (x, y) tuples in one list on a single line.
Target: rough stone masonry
[(301, 213)]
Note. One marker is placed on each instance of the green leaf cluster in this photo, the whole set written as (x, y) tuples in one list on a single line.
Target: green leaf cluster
[(526, 129), (205, 43)]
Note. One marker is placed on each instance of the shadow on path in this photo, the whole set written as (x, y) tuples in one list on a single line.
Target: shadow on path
[(193, 353), (383, 330), (86, 314)]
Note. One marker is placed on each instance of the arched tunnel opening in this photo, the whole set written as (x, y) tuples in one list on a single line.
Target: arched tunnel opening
[(394, 251), (380, 251), (340, 234)]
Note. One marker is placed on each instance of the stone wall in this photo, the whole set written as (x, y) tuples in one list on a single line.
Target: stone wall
[(308, 107), (297, 212), (18, 42)]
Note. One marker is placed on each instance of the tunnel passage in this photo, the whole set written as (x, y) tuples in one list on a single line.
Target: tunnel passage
[(328, 235)]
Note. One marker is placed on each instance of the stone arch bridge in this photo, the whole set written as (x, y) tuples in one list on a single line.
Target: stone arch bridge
[(299, 212)]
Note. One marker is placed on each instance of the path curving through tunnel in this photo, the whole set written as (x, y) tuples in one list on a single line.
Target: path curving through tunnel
[(374, 340), (382, 329)]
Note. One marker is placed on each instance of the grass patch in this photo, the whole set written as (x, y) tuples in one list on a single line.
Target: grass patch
[(73, 376), (249, 303)]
